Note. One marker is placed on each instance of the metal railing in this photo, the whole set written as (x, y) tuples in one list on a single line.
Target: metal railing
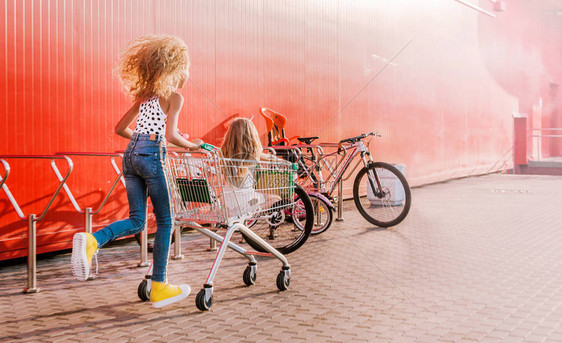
[(539, 135), (88, 213), (32, 219)]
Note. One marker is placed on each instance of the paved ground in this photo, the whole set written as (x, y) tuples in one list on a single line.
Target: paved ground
[(477, 260)]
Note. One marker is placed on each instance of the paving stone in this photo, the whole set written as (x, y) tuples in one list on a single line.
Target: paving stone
[(470, 263)]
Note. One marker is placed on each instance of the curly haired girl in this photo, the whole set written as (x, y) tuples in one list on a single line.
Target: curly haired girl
[(151, 69)]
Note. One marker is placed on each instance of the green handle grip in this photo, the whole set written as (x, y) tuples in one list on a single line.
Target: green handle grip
[(207, 146)]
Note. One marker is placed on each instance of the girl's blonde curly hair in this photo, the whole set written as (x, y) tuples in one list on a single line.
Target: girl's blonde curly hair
[(153, 65)]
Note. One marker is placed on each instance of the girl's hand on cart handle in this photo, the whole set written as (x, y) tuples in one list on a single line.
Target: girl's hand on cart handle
[(207, 146), (197, 144)]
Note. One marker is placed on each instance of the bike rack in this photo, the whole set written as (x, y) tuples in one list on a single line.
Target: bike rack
[(340, 183), (32, 219), (88, 213), (340, 217), (297, 148), (320, 150)]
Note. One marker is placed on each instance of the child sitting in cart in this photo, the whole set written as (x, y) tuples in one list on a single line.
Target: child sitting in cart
[(242, 146)]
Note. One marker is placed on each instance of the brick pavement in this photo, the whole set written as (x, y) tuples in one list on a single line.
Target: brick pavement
[(476, 260)]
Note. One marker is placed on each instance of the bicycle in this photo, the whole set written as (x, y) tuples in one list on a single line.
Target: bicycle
[(380, 191)]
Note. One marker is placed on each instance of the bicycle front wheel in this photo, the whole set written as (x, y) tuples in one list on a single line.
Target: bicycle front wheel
[(282, 232), (381, 194)]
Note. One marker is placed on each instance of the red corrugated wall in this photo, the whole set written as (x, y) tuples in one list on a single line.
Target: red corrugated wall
[(426, 74)]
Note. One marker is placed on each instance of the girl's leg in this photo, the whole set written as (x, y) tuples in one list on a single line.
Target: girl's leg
[(162, 205), (149, 165), (161, 292), (136, 195)]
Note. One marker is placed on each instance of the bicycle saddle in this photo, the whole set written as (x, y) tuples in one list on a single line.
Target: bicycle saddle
[(307, 140)]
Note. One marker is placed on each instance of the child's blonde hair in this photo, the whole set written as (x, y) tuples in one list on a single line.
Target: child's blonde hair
[(242, 141), (153, 65)]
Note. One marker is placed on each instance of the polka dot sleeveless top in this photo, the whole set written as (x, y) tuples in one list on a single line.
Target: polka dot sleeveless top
[(151, 120)]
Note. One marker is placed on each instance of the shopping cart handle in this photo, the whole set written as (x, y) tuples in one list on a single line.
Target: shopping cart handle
[(207, 146)]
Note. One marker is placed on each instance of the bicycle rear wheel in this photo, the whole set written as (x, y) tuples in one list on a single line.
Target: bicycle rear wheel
[(281, 232), (382, 194)]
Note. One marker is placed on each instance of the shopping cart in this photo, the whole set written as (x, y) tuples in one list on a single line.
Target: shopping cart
[(210, 192)]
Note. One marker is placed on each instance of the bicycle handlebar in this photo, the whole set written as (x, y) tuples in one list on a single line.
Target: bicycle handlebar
[(360, 137)]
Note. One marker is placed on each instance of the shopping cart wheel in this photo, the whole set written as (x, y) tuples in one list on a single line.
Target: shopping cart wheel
[(143, 291), (204, 299), (250, 276), (283, 280)]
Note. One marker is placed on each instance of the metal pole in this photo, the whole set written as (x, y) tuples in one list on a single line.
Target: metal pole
[(32, 257), (177, 243), (88, 218), (340, 218), (212, 245)]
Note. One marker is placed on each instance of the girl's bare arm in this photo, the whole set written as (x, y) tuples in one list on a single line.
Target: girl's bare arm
[(122, 127), (172, 135)]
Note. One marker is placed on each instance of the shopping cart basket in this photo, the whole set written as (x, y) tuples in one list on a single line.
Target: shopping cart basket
[(210, 192)]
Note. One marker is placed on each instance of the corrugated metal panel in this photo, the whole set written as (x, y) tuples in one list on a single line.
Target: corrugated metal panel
[(425, 74)]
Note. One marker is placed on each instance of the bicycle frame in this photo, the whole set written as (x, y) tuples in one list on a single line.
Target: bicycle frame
[(336, 172)]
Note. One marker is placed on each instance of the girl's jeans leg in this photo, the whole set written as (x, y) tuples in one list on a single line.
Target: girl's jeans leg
[(136, 195), (161, 202), (143, 166)]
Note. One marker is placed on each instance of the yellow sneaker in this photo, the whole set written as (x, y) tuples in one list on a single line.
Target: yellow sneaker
[(84, 247), (163, 294)]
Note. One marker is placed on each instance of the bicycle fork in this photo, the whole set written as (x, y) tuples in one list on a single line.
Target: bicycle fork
[(372, 176)]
